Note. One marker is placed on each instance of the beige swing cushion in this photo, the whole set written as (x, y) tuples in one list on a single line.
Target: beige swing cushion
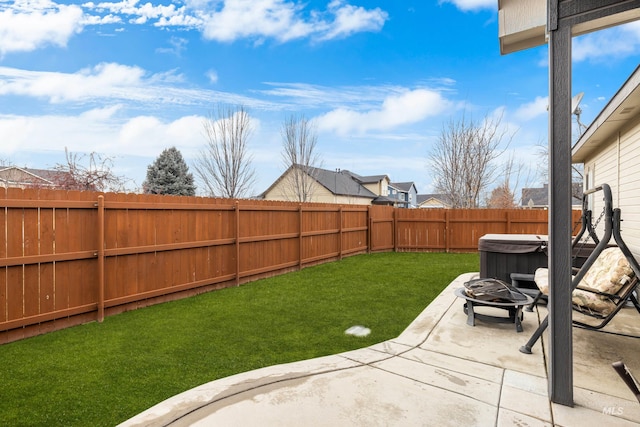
[(608, 274)]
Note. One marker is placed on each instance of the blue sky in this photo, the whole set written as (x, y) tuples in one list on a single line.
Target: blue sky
[(380, 78)]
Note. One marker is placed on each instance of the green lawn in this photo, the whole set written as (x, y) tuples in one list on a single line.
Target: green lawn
[(102, 374)]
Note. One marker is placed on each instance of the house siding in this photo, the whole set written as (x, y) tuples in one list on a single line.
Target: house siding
[(18, 178), (616, 164), (413, 197), (629, 182), (282, 191), (432, 203), (322, 195), (381, 188)]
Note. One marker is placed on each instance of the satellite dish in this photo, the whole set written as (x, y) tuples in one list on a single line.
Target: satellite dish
[(575, 109), (575, 104)]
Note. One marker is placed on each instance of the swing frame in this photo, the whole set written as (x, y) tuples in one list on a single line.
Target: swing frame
[(612, 220)]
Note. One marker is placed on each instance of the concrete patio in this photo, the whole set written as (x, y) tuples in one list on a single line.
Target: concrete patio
[(438, 372)]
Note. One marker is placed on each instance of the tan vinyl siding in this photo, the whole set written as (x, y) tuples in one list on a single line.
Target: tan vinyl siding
[(381, 187), (629, 186), (14, 177), (282, 191), (432, 203), (617, 164)]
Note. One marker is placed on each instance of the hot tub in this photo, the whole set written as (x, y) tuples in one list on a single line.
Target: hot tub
[(503, 254)]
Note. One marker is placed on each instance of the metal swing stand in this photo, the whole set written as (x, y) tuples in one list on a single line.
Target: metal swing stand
[(628, 379), (612, 220), (577, 244)]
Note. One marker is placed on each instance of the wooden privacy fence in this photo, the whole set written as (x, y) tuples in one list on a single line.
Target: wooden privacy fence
[(72, 257), (449, 230)]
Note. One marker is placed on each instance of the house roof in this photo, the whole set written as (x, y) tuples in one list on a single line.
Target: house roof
[(624, 104), (341, 182), (50, 176), (540, 196), (338, 182), (370, 179), (443, 198), (403, 186)]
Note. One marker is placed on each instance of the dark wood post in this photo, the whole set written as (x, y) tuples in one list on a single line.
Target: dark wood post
[(560, 312)]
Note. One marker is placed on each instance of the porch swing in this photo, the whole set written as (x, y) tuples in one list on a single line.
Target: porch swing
[(607, 279)]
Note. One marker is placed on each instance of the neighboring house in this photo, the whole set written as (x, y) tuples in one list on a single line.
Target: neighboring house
[(339, 186), (610, 152), (405, 193), (437, 201), (538, 198), (15, 177)]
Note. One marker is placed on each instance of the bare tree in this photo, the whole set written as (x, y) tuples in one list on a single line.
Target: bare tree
[(501, 198), (299, 140), (513, 176), (463, 158), (577, 169), (224, 165), (88, 172)]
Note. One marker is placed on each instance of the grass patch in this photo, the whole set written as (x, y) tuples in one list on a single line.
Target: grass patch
[(102, 374)]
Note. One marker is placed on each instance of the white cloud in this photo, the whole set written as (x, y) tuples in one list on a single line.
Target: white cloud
[(102, 20), (616, 42), (103, 80), (284, 20), (255, 18), (360, 98), (178, 45), (133, 143), (14, 131), (149, 134), (351, 19), (472, 5), (111, 81), (180, 20), (396, 110), (140, 13), (533, 109), (101, 130), (29, 25), (26, 25), (36, 133), (212, 75)]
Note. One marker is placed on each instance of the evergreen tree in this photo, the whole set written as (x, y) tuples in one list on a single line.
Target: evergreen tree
[(169, 174)]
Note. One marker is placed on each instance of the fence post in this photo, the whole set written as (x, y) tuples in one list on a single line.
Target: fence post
[(369, 227), (300, 230), (100, 258), (340, 233), (508, 222), (237, 209), (394, 232), (447, 232)]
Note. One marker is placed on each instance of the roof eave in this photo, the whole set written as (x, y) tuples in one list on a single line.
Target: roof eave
[(611, 119)]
